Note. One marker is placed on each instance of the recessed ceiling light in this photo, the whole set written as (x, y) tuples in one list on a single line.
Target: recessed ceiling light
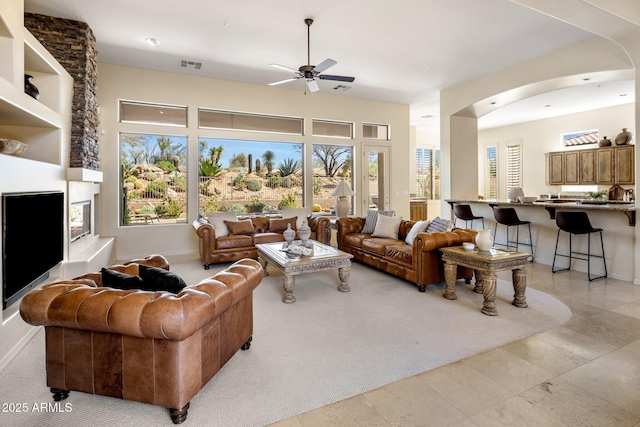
[(426, 116), (623, 94), (493, 103), (151, 41), (547, 106), (586, 79), (426, 67)]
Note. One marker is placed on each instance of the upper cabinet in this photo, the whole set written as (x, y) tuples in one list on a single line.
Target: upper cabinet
[(44, 124), (602, 166)]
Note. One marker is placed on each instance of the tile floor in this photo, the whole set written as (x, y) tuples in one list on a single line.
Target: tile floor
[(584, 373)]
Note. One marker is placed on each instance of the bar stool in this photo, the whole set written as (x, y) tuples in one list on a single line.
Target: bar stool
[(464, 213), (509, 218), (577, 223)]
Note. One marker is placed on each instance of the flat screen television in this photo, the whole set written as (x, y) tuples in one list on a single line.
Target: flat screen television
[(32, 241)]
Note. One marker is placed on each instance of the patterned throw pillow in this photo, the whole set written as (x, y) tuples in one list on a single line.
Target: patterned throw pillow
[(372, 219), (439, 225)]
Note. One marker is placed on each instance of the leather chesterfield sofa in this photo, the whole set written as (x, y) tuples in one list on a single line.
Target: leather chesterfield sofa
[(151, 347), (215, 250), (420, 263)]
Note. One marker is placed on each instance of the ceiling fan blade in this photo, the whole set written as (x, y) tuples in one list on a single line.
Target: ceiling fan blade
[(312, 85), (283, 81), (336, 78), (327, 63), (282, 67)]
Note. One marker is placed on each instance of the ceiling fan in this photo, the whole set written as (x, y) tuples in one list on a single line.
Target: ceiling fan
[(311, 72)]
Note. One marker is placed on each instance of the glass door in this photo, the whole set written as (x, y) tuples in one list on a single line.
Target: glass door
[(376, 178)]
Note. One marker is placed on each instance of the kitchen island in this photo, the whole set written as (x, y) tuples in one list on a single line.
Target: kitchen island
[(617, 219)]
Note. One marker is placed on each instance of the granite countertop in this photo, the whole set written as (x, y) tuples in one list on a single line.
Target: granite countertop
[(610, 205)]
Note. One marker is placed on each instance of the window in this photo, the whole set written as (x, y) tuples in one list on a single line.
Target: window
[(331, 164), (372, 131), (491, 172), (428, 173), (514, 165), (153, 178), (246, 176), (155, 114), (332, 128), (218, 119)]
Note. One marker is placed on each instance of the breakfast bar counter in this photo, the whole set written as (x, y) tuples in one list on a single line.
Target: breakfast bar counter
[(616, 218)]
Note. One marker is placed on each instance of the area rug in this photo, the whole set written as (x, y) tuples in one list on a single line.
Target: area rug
[(325, 347)]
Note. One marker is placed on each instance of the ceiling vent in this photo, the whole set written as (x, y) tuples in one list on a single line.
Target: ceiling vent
[(342, 88), (193, 64)]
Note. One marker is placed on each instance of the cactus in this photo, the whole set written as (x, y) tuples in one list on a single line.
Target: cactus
[(258, 166), (250, 157)]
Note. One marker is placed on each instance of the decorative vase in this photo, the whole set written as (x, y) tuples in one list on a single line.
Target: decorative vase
[(29, 88), (605, 142), (623, 137), (484, 240), (289, 235), (514, 193), (304, 232)]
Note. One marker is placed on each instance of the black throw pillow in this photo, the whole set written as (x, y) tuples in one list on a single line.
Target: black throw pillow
[(158, 279), (115, 279)]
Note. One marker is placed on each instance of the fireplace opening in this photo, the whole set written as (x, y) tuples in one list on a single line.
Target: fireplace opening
[(80, 219)]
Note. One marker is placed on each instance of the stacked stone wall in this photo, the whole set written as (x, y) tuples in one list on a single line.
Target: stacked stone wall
[(73, 45)]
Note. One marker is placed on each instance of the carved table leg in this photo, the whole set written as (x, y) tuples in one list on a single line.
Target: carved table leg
[(179, 415), (288, 282), (343, 273), (519, 277), (489, 292), (263, 263), (450, 270), (478, 283)]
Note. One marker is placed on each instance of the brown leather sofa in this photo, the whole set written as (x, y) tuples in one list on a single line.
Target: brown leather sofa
[(231, 248), (420, 264), (151, 347)]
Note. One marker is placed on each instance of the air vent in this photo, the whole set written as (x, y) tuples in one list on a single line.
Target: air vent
[(342, 88), (193, 64)]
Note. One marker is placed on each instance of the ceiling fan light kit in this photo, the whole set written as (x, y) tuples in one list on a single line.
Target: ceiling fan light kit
[(311, 72)]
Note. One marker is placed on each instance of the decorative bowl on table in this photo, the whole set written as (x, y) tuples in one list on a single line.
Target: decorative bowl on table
[(527, 199), (468, 246)]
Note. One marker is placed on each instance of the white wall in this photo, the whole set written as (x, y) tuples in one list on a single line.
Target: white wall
[(117, 82), (542, 136)]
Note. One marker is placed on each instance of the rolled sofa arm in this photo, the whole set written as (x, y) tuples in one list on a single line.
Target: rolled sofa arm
[(433, 241), (80, 304), (319, 224)]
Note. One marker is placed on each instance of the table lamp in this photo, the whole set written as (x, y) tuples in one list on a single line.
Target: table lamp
[(343, 192)]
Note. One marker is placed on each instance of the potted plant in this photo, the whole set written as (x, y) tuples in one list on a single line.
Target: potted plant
[(597, 195)]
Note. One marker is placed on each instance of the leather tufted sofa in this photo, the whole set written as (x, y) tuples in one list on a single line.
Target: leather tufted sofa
[(151, 347), (420, 264), (231, 248)]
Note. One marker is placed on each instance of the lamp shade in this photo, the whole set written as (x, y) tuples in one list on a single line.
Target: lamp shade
[(343, 190)]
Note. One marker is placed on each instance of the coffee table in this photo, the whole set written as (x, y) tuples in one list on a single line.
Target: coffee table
[(486, 264), (323, 258)]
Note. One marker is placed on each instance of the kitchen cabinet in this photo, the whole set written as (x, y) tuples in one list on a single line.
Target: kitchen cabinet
[(588, 167), (604, 161), (417, 210), (572, 168), (624, 165), (556, 175), (599, 166)]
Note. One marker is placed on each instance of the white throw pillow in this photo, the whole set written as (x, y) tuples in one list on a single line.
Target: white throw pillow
[(440, 225), (387, 226), (371, 219), (301, 213), (217, 219), (418, 227)]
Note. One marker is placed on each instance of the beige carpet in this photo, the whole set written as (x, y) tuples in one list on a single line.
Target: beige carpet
[(325, 347)]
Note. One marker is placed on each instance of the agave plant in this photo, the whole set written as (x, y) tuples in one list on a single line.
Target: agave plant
[(209, 168), (289, 166)]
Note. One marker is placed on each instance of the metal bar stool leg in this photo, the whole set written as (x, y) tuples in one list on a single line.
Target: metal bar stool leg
[(531, 242)]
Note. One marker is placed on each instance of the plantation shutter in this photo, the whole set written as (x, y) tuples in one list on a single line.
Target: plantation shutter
[(491, 173), (428, 173), (514, 168)]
